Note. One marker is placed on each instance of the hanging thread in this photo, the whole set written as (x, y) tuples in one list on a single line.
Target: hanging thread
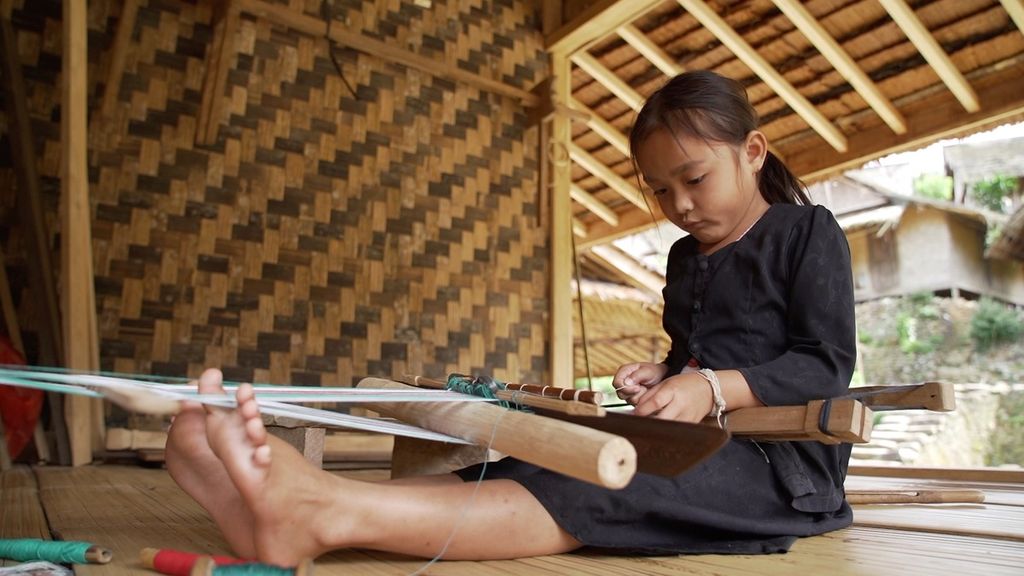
[(56, 551)]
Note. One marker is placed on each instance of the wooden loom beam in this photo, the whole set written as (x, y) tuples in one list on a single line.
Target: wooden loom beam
[(598, 457)]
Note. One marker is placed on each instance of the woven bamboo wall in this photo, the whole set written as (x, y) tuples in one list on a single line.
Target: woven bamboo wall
[(327, 235)]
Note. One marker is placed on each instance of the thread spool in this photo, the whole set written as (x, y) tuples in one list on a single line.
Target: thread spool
[(207, 566), (178, 563), (56, 551)]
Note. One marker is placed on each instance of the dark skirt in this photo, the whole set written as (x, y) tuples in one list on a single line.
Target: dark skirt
[(736, 502)]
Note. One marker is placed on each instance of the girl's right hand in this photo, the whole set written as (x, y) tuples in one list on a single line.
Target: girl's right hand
[(632, 381)]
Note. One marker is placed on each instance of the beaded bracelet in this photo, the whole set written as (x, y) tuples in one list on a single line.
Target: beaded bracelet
[(716, 394)]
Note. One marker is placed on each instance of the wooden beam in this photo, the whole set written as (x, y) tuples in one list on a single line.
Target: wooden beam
[(590, 202), (630, 222), (118, 55), (926, 44), (608, 79), (562, 224), (79, 308), (648, 49), (643, 278), (607, 175), (932, 118), (598, 457), (316, 27), (218, 65), (1015, 8), (763, 69), (602, 127), (599, 20), (843, 63)]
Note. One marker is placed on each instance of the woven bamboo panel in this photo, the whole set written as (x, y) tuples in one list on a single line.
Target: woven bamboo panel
[(373, 221)]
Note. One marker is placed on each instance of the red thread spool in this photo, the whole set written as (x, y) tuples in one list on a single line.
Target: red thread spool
[(177, 563)]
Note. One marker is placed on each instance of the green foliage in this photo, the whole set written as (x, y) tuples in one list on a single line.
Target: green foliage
[(990, 193), (917, 307), (1007, 447), (993, 323), (935, 186)]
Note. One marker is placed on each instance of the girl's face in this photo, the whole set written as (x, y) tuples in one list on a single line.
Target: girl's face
[(708, 189)]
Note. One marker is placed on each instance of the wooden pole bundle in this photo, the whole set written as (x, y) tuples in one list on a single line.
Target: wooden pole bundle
[(584, 453)]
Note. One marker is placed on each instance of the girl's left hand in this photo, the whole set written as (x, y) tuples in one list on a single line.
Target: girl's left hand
[(685, 397)]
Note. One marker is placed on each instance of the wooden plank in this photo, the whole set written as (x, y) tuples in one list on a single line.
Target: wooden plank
[(1004, 494), (964, 519), (79, 310), (956, 474), (129, 508), (218, 64), (357, 41)]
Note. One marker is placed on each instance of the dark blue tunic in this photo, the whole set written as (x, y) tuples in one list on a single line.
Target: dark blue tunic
[(778, 306)]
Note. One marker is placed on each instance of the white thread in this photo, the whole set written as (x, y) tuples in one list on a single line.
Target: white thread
[(716, 394), (469, 504)]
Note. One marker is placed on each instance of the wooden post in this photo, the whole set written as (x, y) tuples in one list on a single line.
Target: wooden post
[(557, 152), (584, 453), (78, 298)]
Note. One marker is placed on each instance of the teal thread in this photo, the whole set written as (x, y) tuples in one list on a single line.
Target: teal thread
[(56, 551), (254, 569), (482, 386)]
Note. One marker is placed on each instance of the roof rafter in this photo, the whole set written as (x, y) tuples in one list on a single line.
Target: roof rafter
[(926, 44), (843, 63), (764, 70)]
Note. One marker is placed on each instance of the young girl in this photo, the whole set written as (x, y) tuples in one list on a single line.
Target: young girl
[(759, 305)]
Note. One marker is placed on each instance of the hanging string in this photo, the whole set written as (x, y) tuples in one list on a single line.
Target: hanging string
[(472, 496), (583, 324), (56, 551)]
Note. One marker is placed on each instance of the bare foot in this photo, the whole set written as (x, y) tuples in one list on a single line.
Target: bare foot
[(291, 502), (202, 475)]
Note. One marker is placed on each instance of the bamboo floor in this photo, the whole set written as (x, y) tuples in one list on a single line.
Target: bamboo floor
[(127, 508)]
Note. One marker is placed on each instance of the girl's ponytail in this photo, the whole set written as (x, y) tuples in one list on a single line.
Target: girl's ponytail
[(778, 185)]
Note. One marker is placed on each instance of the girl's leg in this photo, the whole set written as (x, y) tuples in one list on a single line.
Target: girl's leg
[(300, 511), (202, 475)]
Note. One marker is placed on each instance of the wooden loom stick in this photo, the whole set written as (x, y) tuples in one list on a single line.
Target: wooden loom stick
[(588, 396), (564, 406), (934, 396), (959, 496), (848, 420), (597, 457)]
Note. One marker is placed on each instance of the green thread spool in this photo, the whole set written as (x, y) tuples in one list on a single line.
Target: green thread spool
[(56, 551), (206, 566)]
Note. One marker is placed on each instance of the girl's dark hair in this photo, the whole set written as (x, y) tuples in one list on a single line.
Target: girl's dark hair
[(706, 105)]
